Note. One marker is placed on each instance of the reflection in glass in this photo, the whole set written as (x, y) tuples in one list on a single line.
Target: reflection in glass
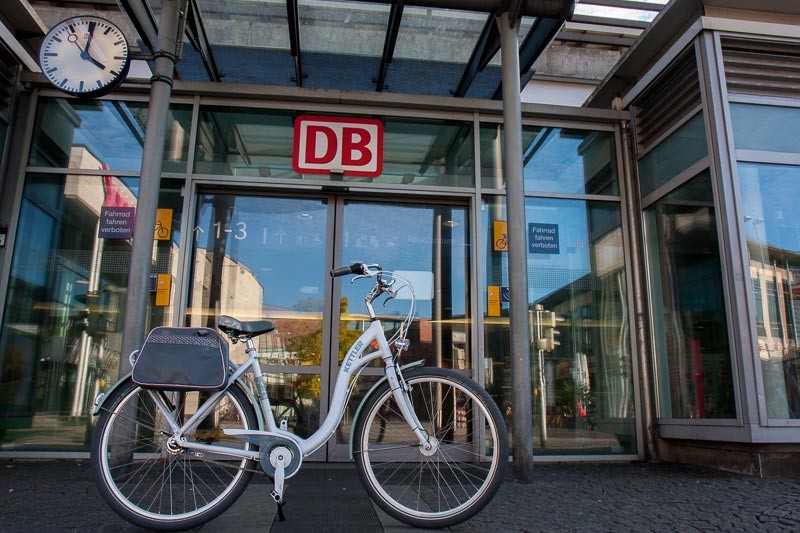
[(104, 134), (262, 258), (259, 143), (765, 128), (693, 360), (363, 386), (769, 195), (427, 239), (583, 399), (556, 160), (680, 150), (60, 341), (296, 398)]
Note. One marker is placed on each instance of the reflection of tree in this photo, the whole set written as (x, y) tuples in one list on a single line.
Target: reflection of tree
[(308, 348), (309, 305)]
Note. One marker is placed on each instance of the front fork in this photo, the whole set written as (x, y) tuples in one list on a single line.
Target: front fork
[(401, 392)]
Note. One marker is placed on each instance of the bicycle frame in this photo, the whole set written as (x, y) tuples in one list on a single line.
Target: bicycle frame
[(354, 361)]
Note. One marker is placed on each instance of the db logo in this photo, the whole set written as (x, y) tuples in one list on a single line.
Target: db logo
[(353, 146)]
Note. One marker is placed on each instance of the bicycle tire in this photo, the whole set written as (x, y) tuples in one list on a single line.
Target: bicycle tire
[(129, 459), (437, 490)]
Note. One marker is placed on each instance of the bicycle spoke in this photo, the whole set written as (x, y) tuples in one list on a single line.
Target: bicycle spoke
[(447, 480)]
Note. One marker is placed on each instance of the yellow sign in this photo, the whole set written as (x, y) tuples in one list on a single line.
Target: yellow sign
[(163, 225), (163, 286), (493, 300), (500, 237)]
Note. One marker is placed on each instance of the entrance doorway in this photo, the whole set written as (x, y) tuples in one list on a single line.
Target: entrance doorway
[(268, 257)]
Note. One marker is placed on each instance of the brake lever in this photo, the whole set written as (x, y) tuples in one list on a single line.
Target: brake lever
[(391, 296)]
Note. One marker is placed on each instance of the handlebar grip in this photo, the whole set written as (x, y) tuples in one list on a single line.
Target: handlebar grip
[(355, 268)]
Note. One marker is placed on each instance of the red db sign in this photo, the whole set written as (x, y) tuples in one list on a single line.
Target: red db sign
[(352, 146)]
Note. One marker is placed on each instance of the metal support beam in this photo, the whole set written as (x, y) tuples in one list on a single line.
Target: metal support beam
[(539, 37), (196, 33), (522, 419), (293, 20), (392, 29), (485, 48), (143, 19), (134, 324)]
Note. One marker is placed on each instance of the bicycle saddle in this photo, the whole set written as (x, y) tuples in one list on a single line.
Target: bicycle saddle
[(234, 328)]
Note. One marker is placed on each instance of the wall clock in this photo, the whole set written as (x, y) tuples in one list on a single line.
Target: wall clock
[(85, 56)]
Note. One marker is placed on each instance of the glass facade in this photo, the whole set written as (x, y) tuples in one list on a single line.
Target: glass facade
[(583, 399), (693, 361), (258, 143), (769, 195), (256, 254), (61, 334), (103, 135), (556, 160), (684, 147)]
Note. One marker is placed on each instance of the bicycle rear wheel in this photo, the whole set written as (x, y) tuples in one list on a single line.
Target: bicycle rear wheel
[(169, 488), (456, 479)]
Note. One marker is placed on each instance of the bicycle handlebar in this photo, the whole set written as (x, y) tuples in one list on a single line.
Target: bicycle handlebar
[(359, 269), (355, 268)]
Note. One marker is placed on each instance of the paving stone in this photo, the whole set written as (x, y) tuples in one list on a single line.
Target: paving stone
[(61, 496)]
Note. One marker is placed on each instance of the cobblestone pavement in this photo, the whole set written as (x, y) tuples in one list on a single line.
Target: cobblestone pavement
[(60, 496)]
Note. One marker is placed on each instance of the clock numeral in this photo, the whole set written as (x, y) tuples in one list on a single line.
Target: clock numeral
[(64, 82), (107, 30), (56, 39), (52, 70), (81, 86), (51, 54), (117, 57), (119, 42), (99, 83)]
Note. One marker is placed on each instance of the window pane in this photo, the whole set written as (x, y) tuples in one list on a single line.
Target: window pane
[(770, 195), (693, 361), (768, 128), (583, 388), (673, 155), (60, 342), (555, 159), (247, 142), (104, 134)]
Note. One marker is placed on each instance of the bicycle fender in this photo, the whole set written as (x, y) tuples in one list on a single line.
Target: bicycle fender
[(101, 398), (413, 364)]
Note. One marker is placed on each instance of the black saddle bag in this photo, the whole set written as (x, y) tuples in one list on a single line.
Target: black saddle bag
[(182, 359)]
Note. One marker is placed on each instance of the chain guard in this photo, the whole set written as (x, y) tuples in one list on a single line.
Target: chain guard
[(266, 444)]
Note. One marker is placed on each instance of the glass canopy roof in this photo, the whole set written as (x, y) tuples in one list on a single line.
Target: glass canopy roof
[(361, 45)]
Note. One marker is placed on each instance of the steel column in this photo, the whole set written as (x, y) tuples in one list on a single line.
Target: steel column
[(149, 183), (517, 252), (633, 212)]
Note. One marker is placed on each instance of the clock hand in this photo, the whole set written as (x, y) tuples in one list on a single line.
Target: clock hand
[(93, 60), (89, 39)]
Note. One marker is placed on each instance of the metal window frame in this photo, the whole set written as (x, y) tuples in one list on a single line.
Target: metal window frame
[(763, 428)]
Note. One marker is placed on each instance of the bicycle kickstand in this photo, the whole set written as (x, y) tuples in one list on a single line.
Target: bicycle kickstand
[(277, 491)]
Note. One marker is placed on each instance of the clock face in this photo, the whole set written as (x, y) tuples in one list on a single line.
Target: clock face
[(85, 56)]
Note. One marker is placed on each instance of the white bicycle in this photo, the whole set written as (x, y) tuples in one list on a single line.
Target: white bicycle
[(430, 445)]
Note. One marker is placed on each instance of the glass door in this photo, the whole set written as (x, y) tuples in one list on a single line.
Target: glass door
[(258, 257), (428, 244), (266, 257)]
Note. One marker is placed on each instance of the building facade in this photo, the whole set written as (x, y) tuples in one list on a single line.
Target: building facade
[(662, 249)]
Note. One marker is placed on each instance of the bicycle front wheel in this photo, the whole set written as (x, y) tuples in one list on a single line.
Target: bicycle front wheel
[(157, 485), (458, 476)]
